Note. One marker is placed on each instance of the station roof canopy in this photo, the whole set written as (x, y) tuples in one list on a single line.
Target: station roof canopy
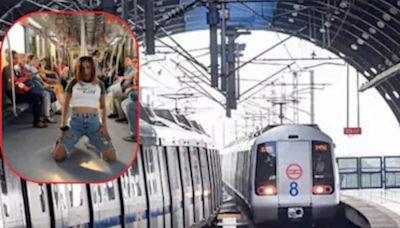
[(363, 32)]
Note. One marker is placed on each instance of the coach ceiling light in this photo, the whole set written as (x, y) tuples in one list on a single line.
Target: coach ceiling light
[(373, 70), (291, 20), (294, 14), (354, 47), (360, 41), (387, 97), (366, 73), (396, 94)]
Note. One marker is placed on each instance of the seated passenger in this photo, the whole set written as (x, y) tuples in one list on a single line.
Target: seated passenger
[(49, 97), (84, 93), (121, 88), (23, 93), (129, 107)]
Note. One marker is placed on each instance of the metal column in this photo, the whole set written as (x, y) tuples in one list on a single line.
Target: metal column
[(231, 63), (213, 43), (223, 46), (149, 22), (312, 97)]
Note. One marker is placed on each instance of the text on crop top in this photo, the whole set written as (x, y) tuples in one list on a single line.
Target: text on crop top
[(85, 94)]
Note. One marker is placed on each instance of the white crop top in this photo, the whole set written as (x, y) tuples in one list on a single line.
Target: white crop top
[(85, 94)]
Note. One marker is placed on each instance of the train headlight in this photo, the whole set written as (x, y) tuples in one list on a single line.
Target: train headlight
[(267, 190), (322, 189)]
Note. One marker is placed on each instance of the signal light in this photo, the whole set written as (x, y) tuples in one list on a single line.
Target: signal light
[(322, 189), (267, 190)]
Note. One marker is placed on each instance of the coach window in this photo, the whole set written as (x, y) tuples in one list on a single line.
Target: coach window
[(99, 193), (265, 165), (110, 190), (186, 168), (173, 168), (42, 198)]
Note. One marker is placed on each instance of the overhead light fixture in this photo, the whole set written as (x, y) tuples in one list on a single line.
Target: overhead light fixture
[(337, 12), (393, 10), (373, 70), (291, 20), (387, 96), (342, 55), (365, 35), (360, 41), (386, 17), (354, 47), (372, 30), (388, 63), (296, 7), (380, 24), (396, 94), (398, 3), (395, 58), (322, 30), (343, 4), (366, 73), (327, 24), (294, 14)]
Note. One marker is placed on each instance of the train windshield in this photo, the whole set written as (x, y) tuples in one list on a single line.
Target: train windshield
[(265, 181), (322, 164)]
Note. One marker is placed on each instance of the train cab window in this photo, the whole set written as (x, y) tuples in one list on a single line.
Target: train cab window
[(322, 164), (265, 181)]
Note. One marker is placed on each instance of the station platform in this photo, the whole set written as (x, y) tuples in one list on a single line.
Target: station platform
[(374, 208)]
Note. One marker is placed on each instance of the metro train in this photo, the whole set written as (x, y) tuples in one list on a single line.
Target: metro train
[(175, 182), (284, 173)]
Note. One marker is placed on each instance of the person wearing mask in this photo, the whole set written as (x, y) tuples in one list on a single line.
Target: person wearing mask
[(86, 95)]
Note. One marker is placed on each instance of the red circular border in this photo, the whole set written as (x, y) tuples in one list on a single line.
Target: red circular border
[(299, 168), (124, 24)]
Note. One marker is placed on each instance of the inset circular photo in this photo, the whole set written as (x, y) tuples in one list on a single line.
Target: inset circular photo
[(69, 88)]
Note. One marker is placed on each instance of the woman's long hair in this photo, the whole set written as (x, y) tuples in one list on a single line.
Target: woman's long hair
[(78, 71)]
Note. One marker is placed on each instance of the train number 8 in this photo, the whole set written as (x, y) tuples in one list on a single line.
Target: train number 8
[(294, 191)]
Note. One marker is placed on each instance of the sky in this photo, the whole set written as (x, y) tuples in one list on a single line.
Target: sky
[(380, 129)]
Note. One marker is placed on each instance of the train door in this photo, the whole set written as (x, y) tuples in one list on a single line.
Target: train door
[(107, 207), (38, 205), (175, 186), (197, 188), (153, 185), (12, 204), (187, 186), (134, 195), (294, 174), (206, 183), (78, 205), (60, 205), (165, 187)]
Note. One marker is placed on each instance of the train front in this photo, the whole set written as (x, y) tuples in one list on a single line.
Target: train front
[(295, 176)]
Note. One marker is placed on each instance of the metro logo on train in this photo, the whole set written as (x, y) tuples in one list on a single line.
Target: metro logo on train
[(294, 171)]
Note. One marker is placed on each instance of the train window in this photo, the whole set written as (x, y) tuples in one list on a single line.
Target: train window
[(265, 167), (42, 198), (173, 168), (110, 190), (185, 166), (75, 192), (195, 166), (99, 193), (55, 195), (3, 179), (322, 164)]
